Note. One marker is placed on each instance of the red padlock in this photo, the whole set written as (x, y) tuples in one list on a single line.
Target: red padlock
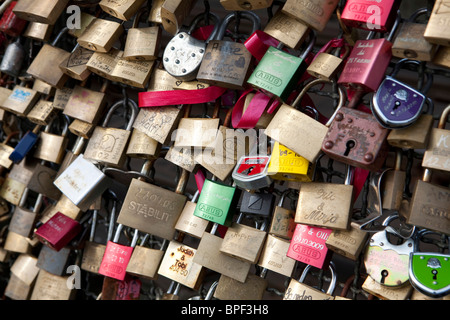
[(11, 24), (370, 15), (58, 231), (116, 257), (128, 289), (308, 246)]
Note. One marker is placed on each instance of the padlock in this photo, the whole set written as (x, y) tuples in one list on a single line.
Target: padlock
[(417, 135), (436, 26), (429, 205), (23, 275), (25, 145), (229, 144), (123, 10), (82, 182), (39, 31), (42, 181), (437, 150), (189, 224), (197, 132), (286, 165), (133, 73), (288, 30), (142, 43), (116, 258), (43, 88), (326, 205), (308, 246), (21, 100), (367, 63), (16, 182), (348, 243), (397, 105), (386, 293), (410, 42), (274, 257), (108, 145), (10, 23), (172, 292), (45, 65), (257, 205), (253, 288), (226, 63), (52, 287), (85, 21), (62, 97), (244, 242), (297, 290), (142, 146), (278, 72), (315, 14), (127, 289), (43, 113), (23, 220), (283, 224), (104, 64), (52, 147), (75, 65), (54, 262), (239, 5), (427, 270), (85, 104), (58, 231), (173, 13), (209, 256), (442, 57), (145, 261), (16, 243), (386, 262), (326, 65), (153, 209), (44, 12), (366, 15), (393, 184), (184, 53), (155, 12), (13, 59), (6, 150), (217, 202), (101, 35), (178, 265), (289, 123)]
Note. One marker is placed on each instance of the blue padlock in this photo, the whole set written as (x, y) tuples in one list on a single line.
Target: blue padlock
[(25, 145)]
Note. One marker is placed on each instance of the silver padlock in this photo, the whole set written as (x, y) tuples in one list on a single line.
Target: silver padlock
[(184, 53), (13, 59)]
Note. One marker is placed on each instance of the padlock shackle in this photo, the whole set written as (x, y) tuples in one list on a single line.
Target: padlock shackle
[(311, 44), (211, 290), (417, 13), (249, 15), (93, 225), (422, 233), (398, 159), (202, 17), (59, 36), (349, 174), (131, 105), (397, 21), (333, 281), (444, 118), (283, 197), (138, 16), (402, 62)]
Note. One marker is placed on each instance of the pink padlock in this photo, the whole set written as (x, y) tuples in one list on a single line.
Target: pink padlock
[(116, 257), (308, 246), (58, 231)]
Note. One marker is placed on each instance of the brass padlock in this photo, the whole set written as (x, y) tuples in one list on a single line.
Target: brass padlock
[(85, 104), (291, 32), (17, 243), (436, 26), (189, 224), (101, 35), (46, 12), (173, 14), (289, 123), (442, 57), (124, 10), (45, 65), (274, 258), (410, 42), (52, 147), (52, 287), (75, 65), (43, 113), (385, 292), (133, 73), (25, 271), (145, 261), (21, 100), (85, 21), (142, 43), (39, 31), (16, 289), (108, 145), (283, 223), (327, 64), (393, 184), (142, 146), (104, 64), (326, 205), (6, 150), (253, 288), (436, 153), (16, 182), (315, 14), (155, 12), (23, 220), (62, 97), (348, 243), (42, 181), (177, 265)]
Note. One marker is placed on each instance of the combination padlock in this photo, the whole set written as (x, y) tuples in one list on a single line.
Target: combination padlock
[(184, 53), (397, 105)]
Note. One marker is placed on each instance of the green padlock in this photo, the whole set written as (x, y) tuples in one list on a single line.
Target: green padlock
[(278, 72), (217, 203), (429, 272)]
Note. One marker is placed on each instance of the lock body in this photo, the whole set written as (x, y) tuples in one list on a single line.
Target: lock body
[(115, 261), (315, 14), (274, 256), (290, 31), (356, 138), (437, 150), (416, 136), (75, 65), (145, 262), (10, 23), (411, 44), (436, 30), (85, 105), (13, 59), (100, 35), (287, 165), (427, 272), (142, 43), (21, 100), (251, 172), (46, 12), (230, 289), (364, 14), (348, 243), (92, 256), (123, 10)]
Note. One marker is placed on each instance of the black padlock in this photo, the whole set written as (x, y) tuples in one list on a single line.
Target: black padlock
[(259, 204)]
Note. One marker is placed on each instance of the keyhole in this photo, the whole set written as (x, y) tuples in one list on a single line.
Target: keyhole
[(384, 274), (434, 272), (397, 104), (350, 145)]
